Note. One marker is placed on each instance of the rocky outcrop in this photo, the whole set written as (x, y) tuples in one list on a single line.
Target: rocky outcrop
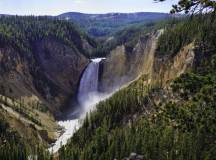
[(114, 70), (168, 68), (133, 156), (121, 67)]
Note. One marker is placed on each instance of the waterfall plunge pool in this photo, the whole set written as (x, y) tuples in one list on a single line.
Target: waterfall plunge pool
[(88, 96)]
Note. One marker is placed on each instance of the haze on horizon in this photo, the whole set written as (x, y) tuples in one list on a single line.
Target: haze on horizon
[(56, 7)]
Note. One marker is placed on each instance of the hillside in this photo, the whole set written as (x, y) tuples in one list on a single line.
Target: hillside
[(130, 52), (41, 57), (167, 113), (41, 60), (99, 25)]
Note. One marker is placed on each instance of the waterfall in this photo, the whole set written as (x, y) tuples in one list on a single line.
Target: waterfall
[(88, 96), (88, 93)]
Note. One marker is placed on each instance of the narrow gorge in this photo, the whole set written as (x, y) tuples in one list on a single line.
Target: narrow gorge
[(118, 71), (152, 96)]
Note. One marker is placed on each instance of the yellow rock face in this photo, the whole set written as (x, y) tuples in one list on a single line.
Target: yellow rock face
[(121, 67)]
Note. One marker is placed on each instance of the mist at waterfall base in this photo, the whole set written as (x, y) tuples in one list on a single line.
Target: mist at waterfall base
[(88, 94), (88, 97)]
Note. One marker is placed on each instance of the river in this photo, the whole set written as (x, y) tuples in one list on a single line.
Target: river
[(88, 96)]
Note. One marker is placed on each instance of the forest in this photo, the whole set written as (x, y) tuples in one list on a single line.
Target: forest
[(104, 25), (22, 32), (181, 126), (14, 148), (176, 121)]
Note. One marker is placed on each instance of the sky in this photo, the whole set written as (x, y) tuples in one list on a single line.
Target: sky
[(56, 7)]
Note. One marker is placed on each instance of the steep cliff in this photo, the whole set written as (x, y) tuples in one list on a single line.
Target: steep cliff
[(41, 63), (169, 112), (51, 74), (166, 69), (122, 66)]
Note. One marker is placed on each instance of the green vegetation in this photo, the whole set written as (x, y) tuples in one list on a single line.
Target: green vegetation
[(27, 125), (104, 25), (177, 123), (12, 147), (173, 123), (22, 32), (193, 6), (188, 31), (171, 131), (129, 36), (9, 140), (20, 108)]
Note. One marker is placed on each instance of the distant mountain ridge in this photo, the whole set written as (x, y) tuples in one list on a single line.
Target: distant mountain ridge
[(140, 15), (101, 25), (105, 24)]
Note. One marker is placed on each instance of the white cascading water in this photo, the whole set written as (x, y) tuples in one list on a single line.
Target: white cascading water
[(88, 90), (88, 97)]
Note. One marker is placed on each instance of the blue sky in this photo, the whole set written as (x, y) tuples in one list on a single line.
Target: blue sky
[(55, 7)]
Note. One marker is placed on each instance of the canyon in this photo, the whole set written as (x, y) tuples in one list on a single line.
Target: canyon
[(72, 95)]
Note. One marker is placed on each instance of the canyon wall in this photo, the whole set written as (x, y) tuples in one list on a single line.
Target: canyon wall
[(50, 73), (121, 67)]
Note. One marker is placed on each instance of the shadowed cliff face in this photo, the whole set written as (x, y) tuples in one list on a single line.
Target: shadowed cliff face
[(43, 58), (35, 86), (51, 73), (121, 67), (62, 66)]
